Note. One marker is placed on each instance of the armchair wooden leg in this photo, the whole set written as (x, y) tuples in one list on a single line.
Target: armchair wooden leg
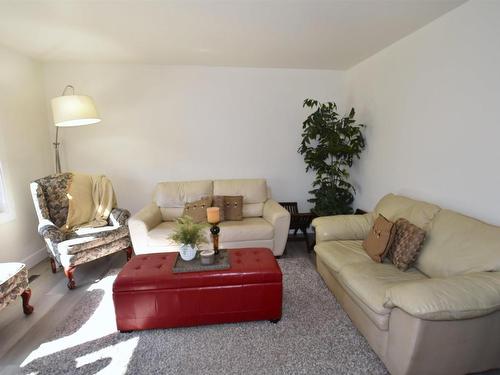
[(27, 308), (129, 251), (53, 265), (68, 271)]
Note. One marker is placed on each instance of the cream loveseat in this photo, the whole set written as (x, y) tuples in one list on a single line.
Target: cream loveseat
[(265, 223), (440, 317)]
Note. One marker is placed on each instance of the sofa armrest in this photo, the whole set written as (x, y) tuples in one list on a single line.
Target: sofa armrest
[(342, 227), (141, 223), (279, 218), (457, 297), (50, 233)]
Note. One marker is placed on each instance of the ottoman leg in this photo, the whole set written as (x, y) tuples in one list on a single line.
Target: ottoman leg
[(129, 251), (68, 271), (274, 321), (27, 308)]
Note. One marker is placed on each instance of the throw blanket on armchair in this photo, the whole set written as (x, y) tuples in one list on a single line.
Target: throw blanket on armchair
[(91, 199)]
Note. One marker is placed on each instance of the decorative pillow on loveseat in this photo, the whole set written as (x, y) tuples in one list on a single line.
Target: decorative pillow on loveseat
[(233, 207), (218, 201), (379, 239), (406, 245), (197, 210)]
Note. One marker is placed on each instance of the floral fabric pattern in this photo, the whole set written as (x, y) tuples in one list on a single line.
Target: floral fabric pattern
[(55, 188), (68, 260), (89, 238), (70, 248), (13, 287)]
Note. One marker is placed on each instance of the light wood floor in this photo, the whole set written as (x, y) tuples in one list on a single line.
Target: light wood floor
[(53, 302)]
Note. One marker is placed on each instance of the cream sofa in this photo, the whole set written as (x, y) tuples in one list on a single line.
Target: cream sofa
[(440, 317), (265, 223)]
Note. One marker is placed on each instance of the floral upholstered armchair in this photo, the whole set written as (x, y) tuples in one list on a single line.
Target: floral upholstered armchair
[(71, 248)]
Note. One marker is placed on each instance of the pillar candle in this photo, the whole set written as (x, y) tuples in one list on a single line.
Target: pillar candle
[(213, 215)]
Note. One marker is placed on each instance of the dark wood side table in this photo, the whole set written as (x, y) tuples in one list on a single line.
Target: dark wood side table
[(299, 222)]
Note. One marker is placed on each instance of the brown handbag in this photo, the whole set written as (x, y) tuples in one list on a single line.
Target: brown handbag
[(379, 239)]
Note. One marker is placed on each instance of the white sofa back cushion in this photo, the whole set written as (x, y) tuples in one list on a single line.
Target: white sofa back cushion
[(172, 196), (254, 192), (457, 244), (416, 212)]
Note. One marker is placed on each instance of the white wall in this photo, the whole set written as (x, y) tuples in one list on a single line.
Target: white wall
[(164, 123), (24, 154), (432, 105)]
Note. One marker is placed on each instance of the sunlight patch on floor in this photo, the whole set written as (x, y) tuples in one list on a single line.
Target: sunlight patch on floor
[(120, 355), (100, 324)]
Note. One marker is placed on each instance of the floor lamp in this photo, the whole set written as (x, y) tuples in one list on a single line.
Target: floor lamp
[(71, 110)]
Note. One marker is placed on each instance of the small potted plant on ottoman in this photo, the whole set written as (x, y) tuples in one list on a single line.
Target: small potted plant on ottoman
[(188, 235)]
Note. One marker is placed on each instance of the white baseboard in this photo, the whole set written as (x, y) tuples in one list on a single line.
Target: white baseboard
[(36, 257)]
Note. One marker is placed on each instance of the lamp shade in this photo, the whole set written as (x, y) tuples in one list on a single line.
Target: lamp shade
[(74, 110)]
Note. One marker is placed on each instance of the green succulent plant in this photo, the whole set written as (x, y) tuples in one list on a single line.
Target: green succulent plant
[(187, 232)]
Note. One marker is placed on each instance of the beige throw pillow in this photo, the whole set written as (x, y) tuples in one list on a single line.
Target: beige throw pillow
[(233, 207), (379, 239), (197, 210), (406, 245)]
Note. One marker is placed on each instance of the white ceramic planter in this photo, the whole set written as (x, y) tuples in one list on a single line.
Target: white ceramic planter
[(188, 252)]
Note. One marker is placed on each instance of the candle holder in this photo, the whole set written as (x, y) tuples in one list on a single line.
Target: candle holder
[(214, 229)]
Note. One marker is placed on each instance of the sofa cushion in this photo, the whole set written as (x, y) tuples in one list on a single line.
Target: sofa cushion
[(254, 192), (456, 297), (248, 229), (338, 254), (458, 244), (160, 235), (177, 194), (171, 213), (253, 209), (368, 282), (419, 213)]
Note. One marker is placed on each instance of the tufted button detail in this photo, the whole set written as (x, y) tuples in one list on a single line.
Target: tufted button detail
[(138, 267), (159, 266), (257, 260)]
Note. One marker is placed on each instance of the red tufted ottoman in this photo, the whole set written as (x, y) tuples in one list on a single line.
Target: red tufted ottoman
[(148, 295)]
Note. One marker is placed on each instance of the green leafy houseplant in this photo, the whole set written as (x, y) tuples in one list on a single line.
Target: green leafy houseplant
[(187, 232), (330, 143)]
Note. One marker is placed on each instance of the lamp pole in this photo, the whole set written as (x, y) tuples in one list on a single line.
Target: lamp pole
[(57, 143), (56, 148)]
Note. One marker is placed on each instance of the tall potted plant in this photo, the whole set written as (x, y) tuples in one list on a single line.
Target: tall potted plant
[(330, 143)]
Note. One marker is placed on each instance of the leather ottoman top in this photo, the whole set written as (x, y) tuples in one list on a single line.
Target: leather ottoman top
[(154, 271)]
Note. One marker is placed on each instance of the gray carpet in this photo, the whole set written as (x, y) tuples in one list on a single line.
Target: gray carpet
[(315, 336)]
